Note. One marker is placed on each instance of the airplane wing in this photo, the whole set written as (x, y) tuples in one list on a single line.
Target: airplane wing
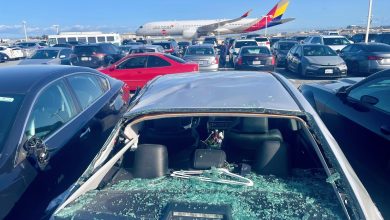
[(214, 26)]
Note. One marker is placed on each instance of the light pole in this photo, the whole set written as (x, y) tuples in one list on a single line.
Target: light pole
[(57, 27), (25, 30), (368, 20), (266, 23)]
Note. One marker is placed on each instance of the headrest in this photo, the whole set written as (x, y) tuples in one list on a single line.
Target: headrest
[(254, 125), (150, 161)]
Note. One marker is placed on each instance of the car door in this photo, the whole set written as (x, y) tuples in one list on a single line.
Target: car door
[(156, 66), (290, 56), (64, 56), (131, 71), (296, 58)]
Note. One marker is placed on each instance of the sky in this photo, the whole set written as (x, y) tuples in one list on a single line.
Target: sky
[(126, 15)]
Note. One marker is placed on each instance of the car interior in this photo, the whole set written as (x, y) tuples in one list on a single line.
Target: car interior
[(231, 167)]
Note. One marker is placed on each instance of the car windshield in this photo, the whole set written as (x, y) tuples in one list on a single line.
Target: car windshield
[(45, 54), (318, 51), (87, 49), (286, 45), (9, 107), (377, 48), (200, 51), (254, 50), (336, 41), (261, 39), (240, 44), (175, 58), (164, 45)]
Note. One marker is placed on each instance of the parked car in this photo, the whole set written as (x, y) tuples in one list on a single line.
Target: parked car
[(50, 55), (235, 48), (255, 58), (337, 43), (63, 45), (383, 38), (204, 55), (299, 39), (357, 112), (29, 48), (315, 60), (366, 58), (3, 57), (95, 55), (280, 50), (263, 41), (12, 53), (359, 38), (137, 69), (54, 120), (229, 145), (170, 47), (252, 36)]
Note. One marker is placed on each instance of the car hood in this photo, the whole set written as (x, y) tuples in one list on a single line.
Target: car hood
[(38, 61), (324, 60)]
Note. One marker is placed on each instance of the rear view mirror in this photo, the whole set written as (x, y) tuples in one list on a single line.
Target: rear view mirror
[(369, 100)]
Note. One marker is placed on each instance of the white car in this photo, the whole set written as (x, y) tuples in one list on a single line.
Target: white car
[(263, 41), (12, 53), (337, 43), (237, 44)]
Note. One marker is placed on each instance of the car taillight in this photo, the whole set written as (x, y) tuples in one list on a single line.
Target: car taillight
[(98, 55), (374, 58), (239, 61), (273, 60), (215, 61), (268, 43)]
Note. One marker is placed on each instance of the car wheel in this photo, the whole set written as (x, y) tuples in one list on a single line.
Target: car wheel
[(6, 57)]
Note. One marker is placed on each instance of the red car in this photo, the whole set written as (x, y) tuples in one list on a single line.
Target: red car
[(137, 69)]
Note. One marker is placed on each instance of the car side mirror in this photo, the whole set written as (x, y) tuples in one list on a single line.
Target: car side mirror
[(338, 51), (37, 149), (369, 100), (62, 56), (112, 67)]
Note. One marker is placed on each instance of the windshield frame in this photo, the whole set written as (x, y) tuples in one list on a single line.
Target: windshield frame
[(13, 112)]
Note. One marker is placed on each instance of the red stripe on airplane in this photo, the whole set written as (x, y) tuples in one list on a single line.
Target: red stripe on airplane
[(261, 24)]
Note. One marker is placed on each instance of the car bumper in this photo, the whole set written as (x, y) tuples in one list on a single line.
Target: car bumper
[(213, 67), (331, 71), (255, 67)]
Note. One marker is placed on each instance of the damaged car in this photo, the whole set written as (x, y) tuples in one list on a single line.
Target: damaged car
[(237, 145)]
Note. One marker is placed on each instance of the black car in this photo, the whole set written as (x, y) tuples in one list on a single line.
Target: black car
[(170, 47), (63, 45), (95, 55), (358, 38), (357, 112), (280, 50), (54, 119), (366, 58), (383, 38), (254, 58)]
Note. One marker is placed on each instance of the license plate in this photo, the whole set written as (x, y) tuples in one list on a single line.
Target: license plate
[(201, 62), (85, 58), (227, 59), (328, 71), (256, 62)]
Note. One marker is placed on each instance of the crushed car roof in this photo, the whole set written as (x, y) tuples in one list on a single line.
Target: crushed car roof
[(221, 90)]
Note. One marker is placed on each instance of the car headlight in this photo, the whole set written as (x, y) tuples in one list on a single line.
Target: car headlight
[(342, 66)]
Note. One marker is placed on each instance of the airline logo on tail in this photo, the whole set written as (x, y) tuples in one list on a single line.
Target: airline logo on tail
[(273, 17)]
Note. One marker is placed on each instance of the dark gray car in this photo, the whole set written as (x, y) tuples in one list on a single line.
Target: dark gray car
[(366, 58), (52, 55), (315, 60), (280, 50)]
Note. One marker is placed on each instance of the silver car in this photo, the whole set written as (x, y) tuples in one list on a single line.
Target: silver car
[(204, 55), (53, 56), (315, 60)]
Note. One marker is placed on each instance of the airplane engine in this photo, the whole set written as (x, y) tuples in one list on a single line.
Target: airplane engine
[(190, 34)]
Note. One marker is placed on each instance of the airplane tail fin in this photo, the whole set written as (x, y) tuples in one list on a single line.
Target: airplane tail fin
[(277, 12)]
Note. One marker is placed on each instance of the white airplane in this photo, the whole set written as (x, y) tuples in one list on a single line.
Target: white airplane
[(192, 29)]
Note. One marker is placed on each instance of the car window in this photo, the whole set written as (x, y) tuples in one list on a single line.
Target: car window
[(285, 45), (347, 48), (299, 51), (86, 87), (9, 107), (307, 40), (318, 50), (240, 44), (66, 53), (133, 63), (378, 88), (154, 61), (355, 49), (45, 54), (200, 51), (316, 40), (175, 58), (336, 41), (255, 50), (293, 49), (52, 109)]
